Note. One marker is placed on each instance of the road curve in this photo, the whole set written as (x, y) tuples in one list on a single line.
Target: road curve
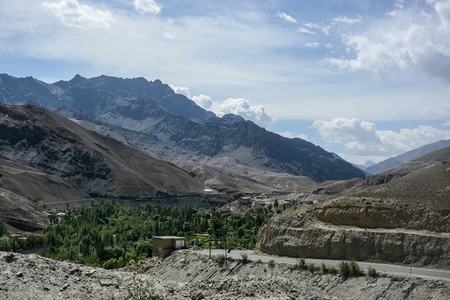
[(401, 270)]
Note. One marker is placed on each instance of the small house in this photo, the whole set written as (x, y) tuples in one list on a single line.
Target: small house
[(163, 245)]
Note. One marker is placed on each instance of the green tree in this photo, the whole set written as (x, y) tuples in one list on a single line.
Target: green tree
[(3, 230)]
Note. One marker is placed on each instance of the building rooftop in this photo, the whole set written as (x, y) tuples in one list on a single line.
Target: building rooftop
[(168, 237)]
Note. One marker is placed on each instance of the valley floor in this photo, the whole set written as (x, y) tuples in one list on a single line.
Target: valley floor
[(191, 275)]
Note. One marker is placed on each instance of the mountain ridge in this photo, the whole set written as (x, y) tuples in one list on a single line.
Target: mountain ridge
[(178, 122), (406, 157)]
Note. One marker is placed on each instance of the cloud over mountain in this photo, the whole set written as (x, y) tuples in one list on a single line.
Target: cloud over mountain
[(243, 108), (237, 106), (363, 139), (203, 101)]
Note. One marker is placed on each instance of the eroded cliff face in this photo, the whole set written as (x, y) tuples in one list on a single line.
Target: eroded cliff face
[(406, 220), (384, 216), (312, 239)]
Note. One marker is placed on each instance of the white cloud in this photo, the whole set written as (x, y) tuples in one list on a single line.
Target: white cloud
[(312, 45), (203, 101), (399, 7), (363, 139), (181, 90), (446, 123), (147, 6), (290, 135), (441, 109), (443, 10), (73, 14), (346, 20), (169, 35), (414, 40), (243, 108), (286, 17), (304, 30), (324, 29), (226, 51), (236, 106)]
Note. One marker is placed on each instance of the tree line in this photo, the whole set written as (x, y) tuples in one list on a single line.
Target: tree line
[(111, 235)]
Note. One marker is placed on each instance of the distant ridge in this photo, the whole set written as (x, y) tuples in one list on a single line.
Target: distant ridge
[(406, 157)]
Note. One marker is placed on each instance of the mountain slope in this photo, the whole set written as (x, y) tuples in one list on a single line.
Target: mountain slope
[(406, 157), (222, 173), (97, 164), (153, 108)]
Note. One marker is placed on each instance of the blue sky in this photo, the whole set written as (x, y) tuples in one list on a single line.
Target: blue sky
[(365, 79)]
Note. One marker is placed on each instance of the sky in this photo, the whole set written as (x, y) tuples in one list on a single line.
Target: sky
[(365, 79)]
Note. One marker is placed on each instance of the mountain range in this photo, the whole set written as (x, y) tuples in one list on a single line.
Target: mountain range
[(175, 122)]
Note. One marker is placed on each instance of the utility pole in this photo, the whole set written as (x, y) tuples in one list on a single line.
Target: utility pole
[(210, 238), (226, 261)]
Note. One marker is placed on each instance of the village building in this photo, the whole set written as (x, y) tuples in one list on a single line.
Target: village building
[(164, 245)]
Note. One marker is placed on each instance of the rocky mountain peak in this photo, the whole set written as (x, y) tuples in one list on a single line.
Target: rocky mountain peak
[(152, 107)]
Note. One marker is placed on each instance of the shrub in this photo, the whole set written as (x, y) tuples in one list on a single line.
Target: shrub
[(111, 264), (5, 244), (350, 268), (344, 268), (312, 267), (221, 259), (324, 267), (355, 270), (372, 272), (244, 258), (332, 270), (301, 264), (144, 290), (271, 263)]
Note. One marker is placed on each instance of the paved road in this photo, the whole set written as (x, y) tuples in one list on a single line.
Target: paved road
[(381, 268)]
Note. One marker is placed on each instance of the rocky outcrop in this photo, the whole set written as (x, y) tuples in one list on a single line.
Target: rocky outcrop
[(385, 216), (309, 239), (404, 220)]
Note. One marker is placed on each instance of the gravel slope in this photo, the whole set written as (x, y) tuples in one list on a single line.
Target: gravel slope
[(187, 275)]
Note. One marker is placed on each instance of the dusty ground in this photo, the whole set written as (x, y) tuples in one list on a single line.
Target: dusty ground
[(192, 276)]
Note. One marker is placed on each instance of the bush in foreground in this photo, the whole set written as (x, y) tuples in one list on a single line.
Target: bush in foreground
[(372, 272), (350, 269)]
